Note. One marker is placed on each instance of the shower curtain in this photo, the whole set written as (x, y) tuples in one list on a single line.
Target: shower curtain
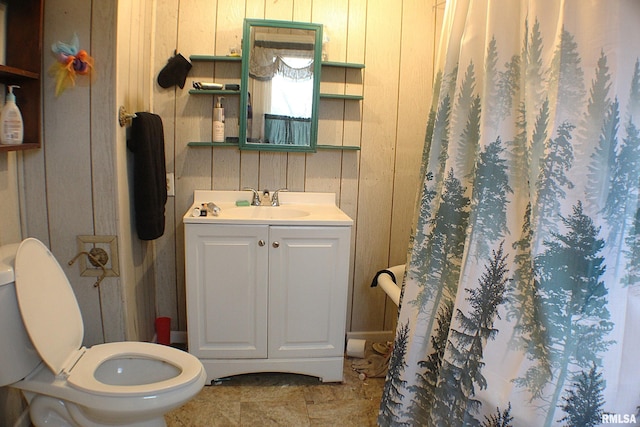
[(521, 297)]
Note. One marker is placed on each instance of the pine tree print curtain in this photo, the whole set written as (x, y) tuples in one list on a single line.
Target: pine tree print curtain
[(521, 297)]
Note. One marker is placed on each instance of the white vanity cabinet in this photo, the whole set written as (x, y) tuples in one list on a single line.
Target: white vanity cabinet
[(308, 272), (227, 290), (267, 298)]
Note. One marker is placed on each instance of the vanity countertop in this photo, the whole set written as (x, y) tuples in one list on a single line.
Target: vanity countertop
[(296, 208)]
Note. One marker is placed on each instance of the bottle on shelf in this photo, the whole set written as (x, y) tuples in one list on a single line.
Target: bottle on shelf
[(11, 125), (218, 121)]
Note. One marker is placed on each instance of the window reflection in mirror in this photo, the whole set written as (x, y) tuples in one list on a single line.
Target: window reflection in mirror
[(290, 96), (280, 83)]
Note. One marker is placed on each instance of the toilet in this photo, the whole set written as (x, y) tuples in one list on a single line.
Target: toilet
[(66, 384)]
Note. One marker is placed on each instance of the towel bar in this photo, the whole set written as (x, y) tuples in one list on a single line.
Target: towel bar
[(124, 118), (388, 280)]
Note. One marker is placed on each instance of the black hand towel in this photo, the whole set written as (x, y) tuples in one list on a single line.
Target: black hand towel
[(149, 175)]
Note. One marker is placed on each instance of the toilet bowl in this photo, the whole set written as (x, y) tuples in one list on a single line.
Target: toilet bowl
[(121, 383), (124, 383)]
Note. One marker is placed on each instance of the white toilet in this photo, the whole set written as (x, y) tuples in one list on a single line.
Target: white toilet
[(41, 353)]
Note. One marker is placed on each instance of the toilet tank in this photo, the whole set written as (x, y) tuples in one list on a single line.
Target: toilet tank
[(16, 351)]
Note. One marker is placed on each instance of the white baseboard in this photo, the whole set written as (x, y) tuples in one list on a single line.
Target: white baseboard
[(176, 337), (24, 420), (180, 337), (375, 336)]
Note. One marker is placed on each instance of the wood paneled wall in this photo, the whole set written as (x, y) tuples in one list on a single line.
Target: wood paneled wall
[(78, 183), (376, 186), (68, 185), (9, 206)]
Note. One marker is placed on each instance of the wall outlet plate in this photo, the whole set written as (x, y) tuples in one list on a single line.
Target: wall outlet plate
[(171, 184)]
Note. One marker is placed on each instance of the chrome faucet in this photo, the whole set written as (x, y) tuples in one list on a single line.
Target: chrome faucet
[(266, 198), (255, 201), (275, 200)]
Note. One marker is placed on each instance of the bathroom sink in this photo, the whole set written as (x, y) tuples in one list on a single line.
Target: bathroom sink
[(265, 212), (296, 208)]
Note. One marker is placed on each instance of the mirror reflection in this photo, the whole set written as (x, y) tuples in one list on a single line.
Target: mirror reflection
[(280, 84)]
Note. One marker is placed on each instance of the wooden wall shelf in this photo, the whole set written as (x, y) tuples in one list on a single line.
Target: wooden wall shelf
[(233, 142), (23, 67)]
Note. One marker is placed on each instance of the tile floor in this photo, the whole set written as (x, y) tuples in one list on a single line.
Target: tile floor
[(283, 400)]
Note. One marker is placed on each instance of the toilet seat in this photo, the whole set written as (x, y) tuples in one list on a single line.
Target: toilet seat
[(52, 318), (82, 375)]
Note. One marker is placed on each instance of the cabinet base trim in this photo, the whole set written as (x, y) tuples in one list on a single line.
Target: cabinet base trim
[(327, 369)]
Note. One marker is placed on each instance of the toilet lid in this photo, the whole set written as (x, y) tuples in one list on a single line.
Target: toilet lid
[(48, 305)]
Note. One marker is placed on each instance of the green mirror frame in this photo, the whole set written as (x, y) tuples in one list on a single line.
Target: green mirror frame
[(245, 84)]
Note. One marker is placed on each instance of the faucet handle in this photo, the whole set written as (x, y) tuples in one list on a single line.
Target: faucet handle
[(275, 200), (256, 196)]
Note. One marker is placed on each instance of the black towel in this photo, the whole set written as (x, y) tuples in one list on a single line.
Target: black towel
[(149, 175)]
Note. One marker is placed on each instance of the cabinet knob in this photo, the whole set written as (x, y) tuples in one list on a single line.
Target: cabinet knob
[(260, 242), (275, 244)]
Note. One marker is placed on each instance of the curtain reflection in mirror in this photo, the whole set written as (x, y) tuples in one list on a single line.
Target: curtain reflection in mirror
[(287, 130)]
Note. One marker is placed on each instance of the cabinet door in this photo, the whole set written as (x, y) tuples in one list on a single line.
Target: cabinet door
[(226, 276), (308, 281)]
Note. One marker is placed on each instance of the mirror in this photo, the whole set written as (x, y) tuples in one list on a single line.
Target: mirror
[(280, 85)]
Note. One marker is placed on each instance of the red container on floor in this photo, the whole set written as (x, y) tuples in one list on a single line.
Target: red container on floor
[(163, 330)]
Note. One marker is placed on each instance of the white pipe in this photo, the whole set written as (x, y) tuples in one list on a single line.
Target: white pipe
[(388, 286), (23, 420)]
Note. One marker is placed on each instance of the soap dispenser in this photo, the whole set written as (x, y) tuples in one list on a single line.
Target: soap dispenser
[(11, 125), (218, 122)]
